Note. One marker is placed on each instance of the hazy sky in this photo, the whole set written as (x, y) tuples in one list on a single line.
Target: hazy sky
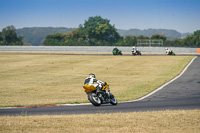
[(180, 15)]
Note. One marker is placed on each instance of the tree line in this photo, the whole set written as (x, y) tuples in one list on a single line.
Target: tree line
[(189, 41), (96, 31), (36, 35), (170, 34)]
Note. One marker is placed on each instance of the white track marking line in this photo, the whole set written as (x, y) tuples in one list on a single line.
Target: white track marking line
[(165, 83)]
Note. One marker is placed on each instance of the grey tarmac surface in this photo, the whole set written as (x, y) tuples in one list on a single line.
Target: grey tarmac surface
[(181, 94)]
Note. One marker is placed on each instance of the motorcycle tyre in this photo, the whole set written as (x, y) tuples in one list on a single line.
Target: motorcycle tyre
[(92, 100), (112, 97)]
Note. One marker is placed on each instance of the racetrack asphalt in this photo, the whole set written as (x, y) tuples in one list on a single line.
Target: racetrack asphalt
[(181, 93)]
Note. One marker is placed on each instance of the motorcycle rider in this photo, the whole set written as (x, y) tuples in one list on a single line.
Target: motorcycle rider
[(134, 50), (91, 81), (168, 51), (115, 48)]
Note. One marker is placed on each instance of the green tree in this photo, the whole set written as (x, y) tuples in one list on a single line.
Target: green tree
[(55, 39), (1, 39), (76, 38), (9, 36), (174, 43), (192, 40), (142, 37), (159, 36), (130, 40), (99, 31), (197, 33)]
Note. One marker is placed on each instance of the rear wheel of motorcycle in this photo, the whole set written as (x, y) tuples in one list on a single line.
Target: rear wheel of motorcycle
[(94, 99), (113, 100)]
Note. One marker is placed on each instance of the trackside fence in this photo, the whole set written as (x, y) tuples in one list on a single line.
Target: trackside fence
[(95, 49)]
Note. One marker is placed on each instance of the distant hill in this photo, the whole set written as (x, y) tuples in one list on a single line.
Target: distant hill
[(36, 35), (170, 34)]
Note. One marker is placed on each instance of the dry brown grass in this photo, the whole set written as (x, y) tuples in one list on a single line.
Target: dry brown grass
[(140, 122), (51, 79)]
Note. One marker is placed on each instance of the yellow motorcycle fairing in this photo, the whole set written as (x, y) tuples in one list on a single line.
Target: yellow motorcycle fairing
[(106, 87), (89, 88)]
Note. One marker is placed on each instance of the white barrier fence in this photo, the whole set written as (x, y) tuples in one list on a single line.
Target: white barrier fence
[(94, 49)]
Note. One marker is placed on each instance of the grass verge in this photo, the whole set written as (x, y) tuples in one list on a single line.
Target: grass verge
[(185, 121), (55, 79)]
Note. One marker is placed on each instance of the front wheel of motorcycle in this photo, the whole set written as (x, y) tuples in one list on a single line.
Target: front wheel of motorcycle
[(94, 99), (113, 100)]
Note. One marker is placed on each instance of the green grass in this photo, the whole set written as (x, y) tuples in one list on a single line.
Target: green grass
[(55, 79)]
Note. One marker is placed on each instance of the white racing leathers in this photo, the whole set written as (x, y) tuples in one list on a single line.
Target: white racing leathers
[(91, 81)]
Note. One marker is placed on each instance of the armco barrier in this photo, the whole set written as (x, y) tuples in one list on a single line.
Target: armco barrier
[(94, 49)]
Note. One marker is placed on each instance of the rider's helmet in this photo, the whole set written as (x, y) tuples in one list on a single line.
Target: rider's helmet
[(115, 48), (166, 48), (92, 75)]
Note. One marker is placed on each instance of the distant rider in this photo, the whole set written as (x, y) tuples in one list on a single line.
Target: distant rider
[(116, 49), (134, 50), (91, 81), (168, 51)]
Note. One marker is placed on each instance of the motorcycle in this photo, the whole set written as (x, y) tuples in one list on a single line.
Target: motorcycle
[(171, 53), (136, 53), (117, 52), (100, 97)]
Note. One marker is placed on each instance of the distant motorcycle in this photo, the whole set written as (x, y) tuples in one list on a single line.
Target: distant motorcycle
[(117, 52), (137, 52), (102, 97), (171, 53)]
